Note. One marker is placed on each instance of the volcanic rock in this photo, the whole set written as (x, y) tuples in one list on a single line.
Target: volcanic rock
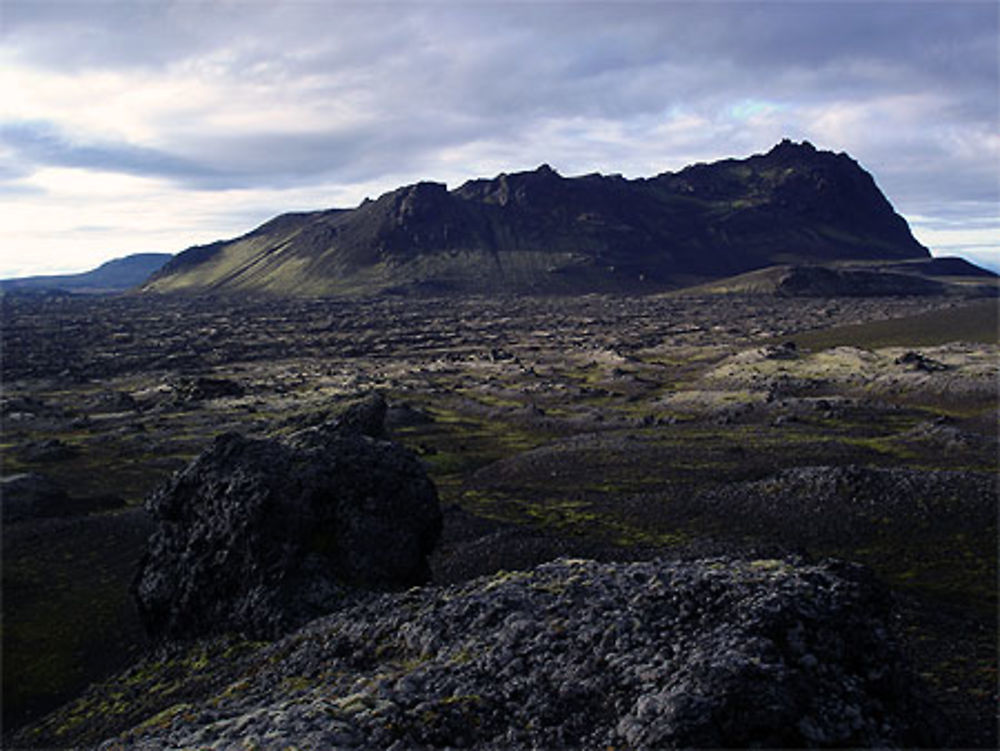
[(712, 653), (851, 503), (260, 535), (203, 387), (366, 417), (919, 362)]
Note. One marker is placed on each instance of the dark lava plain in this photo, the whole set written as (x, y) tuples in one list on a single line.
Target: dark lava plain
[(607, 427)]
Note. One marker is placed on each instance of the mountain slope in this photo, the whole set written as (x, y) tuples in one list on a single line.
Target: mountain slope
[(113, 276), (539, 231), (920, 276)]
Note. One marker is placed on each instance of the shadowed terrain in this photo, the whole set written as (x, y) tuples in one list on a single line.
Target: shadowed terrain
[(541, 232), (114, 276), (609, 427)]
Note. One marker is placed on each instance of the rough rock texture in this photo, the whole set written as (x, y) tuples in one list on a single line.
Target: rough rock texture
[(918, 361), (366, 416), (706, 654), (820, 505), (202, 387), (259, 535)]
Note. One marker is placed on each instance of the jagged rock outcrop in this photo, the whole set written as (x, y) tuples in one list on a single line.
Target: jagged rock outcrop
[(259, 535), (541, 232), (716, 653)]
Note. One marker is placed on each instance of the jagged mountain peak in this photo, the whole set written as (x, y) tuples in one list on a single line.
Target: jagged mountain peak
[(538, 231)]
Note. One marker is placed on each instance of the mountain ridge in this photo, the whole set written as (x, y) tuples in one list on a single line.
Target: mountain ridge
[(116, 275), (538, 231)]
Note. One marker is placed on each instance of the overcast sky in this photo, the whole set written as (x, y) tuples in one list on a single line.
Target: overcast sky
[(137, 126)]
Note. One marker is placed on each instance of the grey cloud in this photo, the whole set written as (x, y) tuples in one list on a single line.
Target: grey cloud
[(529, 60), (44, 144), (438, 77), (17, 190)]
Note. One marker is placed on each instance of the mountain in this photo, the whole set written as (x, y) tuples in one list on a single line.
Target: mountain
[(117, 275), (541, 232)]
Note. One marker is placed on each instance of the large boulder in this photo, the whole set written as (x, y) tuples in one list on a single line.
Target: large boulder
[(259, 535)]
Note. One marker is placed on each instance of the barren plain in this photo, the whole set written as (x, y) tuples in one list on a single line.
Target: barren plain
[(606, 427)]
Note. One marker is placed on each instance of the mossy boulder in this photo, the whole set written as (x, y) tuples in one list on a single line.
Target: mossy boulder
[(257, 536)]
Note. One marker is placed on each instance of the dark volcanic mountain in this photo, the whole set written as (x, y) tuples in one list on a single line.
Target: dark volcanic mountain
[(541, 232), (117, 275)]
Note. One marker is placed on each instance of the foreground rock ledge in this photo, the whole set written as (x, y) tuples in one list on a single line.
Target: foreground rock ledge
[(257, 536), (705, 654)]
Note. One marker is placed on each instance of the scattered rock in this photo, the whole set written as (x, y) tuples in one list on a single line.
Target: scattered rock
[(258, 536), (785, 351), (498, 354), (839, 505), (200, 388), (29, 406), (917, 361), (946, 436)]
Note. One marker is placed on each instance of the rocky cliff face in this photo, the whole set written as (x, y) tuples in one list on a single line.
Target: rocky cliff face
[(539, 231)]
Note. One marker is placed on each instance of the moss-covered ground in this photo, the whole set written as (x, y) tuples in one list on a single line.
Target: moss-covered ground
[(602, 426)]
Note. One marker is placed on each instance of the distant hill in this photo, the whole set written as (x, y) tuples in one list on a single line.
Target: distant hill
[(117, 275), (922, 276), (541, 232)]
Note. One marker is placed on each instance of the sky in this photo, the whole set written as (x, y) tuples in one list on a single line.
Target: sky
[(140, 126)]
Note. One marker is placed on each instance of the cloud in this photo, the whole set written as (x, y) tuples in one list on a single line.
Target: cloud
[(309, 101), (43, 144)]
